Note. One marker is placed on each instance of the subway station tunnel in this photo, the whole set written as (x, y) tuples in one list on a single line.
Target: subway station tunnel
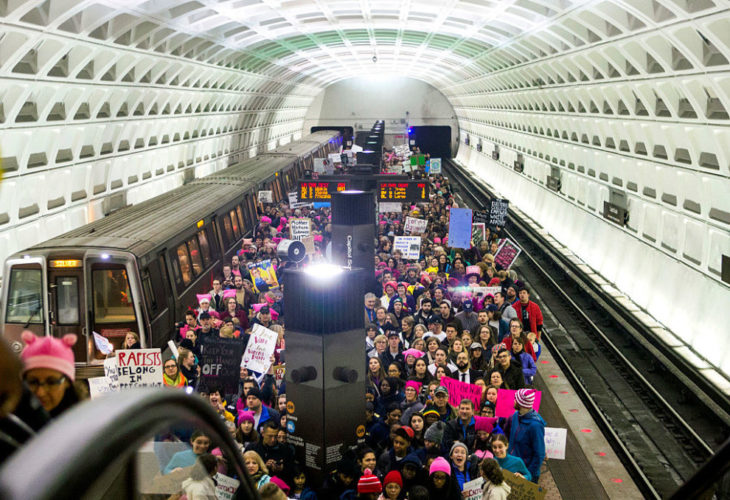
[(105, 104)]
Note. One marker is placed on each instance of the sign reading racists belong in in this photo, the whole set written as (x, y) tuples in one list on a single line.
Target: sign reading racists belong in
[(139, 368), (220, 365)]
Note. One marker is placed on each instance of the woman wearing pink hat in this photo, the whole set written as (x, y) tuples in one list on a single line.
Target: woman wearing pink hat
[(49, 371), (440, 483)]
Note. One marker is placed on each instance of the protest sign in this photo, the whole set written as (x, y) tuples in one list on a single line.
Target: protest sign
[(294, 203), (111, 372), (481, 217), (266, 196), (498, 212), (279, 373), (435, 166), (478, 233), (263, 276), (522, 489), (506, 402), (472, 490), (507, 254), (300, 227), (410, 246), (225, 487), (335, 158), (308, 245), (415, 226), (103, 344), (460, 227), (99, 386), (139, 368), (389, 206), (555, 439), (220, 363), (260, 347), (459, 390)]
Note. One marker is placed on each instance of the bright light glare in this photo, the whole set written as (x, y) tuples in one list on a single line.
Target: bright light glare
[(323, 271), (105, 256)]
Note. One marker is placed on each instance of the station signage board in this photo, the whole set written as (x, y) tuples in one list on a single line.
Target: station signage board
[(411, 191), (320, 189)]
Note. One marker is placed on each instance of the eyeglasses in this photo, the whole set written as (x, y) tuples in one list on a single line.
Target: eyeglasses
[(36, 384), (170, 366)]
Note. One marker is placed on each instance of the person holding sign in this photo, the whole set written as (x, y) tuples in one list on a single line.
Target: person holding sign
[(526, 429), (514, 464), (495, 487), (200, 442), (49, 371)]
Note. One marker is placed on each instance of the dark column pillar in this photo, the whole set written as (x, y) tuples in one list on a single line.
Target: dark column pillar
[(353, 230)]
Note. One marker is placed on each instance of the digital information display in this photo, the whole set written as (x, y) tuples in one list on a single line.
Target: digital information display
[(319, 190), (408, 191)]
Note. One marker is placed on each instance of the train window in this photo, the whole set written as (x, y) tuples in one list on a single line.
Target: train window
[(184, 260), (252, 210), (147, 285), (67, 300), (241, 220), (204, 248), (228, 231), (236, 227), (195, 258), (25, 292), (112, 298)]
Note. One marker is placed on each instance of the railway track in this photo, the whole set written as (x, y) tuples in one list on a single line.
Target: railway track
[(660, 416)]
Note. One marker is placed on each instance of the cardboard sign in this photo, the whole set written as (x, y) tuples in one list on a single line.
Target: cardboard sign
[(389, 206), (460, 227), (226, 487), (506, 402), (522, 489), (111, 372), (507, 254), (259, 349), (308, 245), (498, 212), (555, 439), (266, 196), (410, 246), (263, 276), (415, 226), (139, 368), (300, 227), (472, 490), (220, 364), (459, 390), (103, 344), (279, 373), (478, 233), (435, 166)]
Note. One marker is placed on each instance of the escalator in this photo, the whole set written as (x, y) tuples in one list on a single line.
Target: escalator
[(121, 446)]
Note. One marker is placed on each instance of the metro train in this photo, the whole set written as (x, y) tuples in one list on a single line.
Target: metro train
[(139, 268)]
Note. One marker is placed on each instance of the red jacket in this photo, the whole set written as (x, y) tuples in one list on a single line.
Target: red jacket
[(533, 310)]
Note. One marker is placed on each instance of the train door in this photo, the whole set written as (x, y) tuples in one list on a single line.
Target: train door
[(112, 313), (67, 296)]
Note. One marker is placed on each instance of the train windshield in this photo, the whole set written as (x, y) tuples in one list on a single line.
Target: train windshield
[(25, 295), (112, 299)]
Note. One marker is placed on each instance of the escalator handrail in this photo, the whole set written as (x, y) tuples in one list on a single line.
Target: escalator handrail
[(63, 460)]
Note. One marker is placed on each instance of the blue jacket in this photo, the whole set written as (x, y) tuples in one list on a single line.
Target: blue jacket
[(527, 440), (181, 459), (514, 465), (529, 368)]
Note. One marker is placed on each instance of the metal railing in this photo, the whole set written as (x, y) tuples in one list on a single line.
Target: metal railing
[(88, 451)]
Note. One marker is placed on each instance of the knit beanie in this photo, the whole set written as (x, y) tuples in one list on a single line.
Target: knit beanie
[(256, 392), (49, 352), (369, 483), (485, 424), (440, 465), (281, 484), (435, 432), (458, 444), (525, 398), (393, 477), (246, 416)]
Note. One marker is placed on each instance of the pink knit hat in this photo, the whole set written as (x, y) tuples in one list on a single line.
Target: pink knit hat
[(440, 465), (281, 484), (246, 416), (49, 352), (525, 397), (368, 483)]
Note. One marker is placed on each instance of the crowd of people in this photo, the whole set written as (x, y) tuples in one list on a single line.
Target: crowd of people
[(423, 320)]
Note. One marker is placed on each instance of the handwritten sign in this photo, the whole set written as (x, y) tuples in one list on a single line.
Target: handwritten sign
[(220, 364), (459, 390), (226, 487), (460, 227), (415, 226), (481, 217), (522, 489), (259, 349), (111, 372), (507, 254), (506, 403), (300, 228), (103, 344), (555, 439), (139, 368), (266, 196), (498, 212), (410, 246), (99, 386), (435, 166), (389, 206), (472, 490)]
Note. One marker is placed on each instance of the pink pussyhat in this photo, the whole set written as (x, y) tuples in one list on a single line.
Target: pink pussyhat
[(49, 352)]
